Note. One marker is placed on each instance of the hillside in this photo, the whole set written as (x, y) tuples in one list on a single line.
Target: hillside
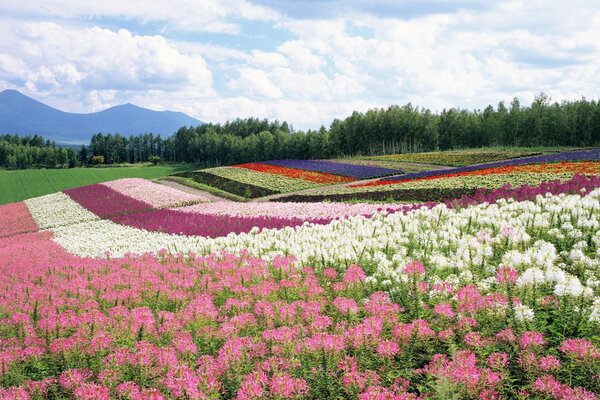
[(23, 115)]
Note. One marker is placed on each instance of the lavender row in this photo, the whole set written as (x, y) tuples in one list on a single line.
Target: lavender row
[(106, 202), (206, 225), (583, 155), (337, 168)]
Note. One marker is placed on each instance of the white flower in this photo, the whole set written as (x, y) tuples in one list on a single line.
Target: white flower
[(523, 313)]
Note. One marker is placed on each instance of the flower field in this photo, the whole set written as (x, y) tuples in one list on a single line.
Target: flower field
[(125, 290), (334, 167), (457, 158), (248, 183), (311, 176)]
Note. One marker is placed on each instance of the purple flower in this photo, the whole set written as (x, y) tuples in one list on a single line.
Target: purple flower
[(337, 168)]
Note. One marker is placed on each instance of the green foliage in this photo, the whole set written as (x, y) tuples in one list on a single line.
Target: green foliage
[(154, 159), (21, 185), (20, 152)]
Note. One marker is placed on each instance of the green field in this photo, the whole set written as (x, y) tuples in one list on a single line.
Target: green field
[(24, 184)]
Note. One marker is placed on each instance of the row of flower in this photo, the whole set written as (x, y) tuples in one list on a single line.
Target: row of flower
[(487, 301), (457, 158), (439, 190), (570, 168), (407, 166), (65, 212), (311, 176), (247, 183), (155, 195), (567, 156), (336, 167)]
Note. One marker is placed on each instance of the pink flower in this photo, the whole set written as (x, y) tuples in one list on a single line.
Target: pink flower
[(354, 274), (579, 348), (444, 309), (330, 273), (345, 305), (549, 363), (286, 387), (415, 267), (388, 348), (497, 360), (507, 275), (532, 338), (506, 336)]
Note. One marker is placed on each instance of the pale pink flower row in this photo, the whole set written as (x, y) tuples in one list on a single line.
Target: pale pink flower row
[(292, 210), (156, 195)]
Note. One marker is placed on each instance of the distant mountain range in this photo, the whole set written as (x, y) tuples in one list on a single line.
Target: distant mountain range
[(23, 115)]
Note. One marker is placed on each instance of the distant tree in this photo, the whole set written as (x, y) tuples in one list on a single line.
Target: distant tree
[(83, 155)]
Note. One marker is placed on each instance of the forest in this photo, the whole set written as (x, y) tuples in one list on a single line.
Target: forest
[(20, 152), (395, 129)]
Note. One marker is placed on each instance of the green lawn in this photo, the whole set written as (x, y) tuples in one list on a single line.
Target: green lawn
[(24, 184)]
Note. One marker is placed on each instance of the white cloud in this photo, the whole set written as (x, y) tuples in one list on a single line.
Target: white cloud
[(434, 56), (54, 60), (192, 15)]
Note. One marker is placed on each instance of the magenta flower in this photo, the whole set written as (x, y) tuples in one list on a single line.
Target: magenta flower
[(388, 348), (506, 275), (532, 338), (415, 267), (580, 348)]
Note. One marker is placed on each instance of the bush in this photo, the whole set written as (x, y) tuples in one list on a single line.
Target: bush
[(155, 160)]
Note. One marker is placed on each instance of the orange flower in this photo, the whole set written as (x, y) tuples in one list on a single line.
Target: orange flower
[(311, 176)]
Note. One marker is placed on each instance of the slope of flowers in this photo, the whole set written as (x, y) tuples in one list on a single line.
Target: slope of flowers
[(571, 168), (154, 194), (105, 201), (311, 176), (457, 157), (567, 156), (16, 219), (243, 189), (337, 168), (483, 302)]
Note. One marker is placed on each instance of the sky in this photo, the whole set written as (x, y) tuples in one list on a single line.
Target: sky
[(302, 61)]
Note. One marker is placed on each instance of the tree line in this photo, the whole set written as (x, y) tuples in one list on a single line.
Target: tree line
[(395, 129), (20, 152)]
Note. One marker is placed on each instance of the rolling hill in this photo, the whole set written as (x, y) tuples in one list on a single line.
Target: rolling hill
[(23, 115)]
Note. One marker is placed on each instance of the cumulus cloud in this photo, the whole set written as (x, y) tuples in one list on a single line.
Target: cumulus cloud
[(51, 59), (333, 57)]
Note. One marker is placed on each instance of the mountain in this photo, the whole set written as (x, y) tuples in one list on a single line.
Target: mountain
[(25, 116)]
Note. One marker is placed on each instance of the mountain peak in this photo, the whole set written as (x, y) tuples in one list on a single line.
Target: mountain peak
[(23, 115)]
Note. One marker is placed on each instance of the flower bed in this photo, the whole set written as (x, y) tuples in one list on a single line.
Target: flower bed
[(457, 158), (207, 225), (105, 201), (154, 194), (246, 190), (455, 188), (487, 301), (305, 211), (588, 168), (337, 168), (568, 156), (311, 176), (16, 219), (277, 183)]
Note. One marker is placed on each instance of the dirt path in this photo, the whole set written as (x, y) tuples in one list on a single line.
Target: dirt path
[(213, 198)]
